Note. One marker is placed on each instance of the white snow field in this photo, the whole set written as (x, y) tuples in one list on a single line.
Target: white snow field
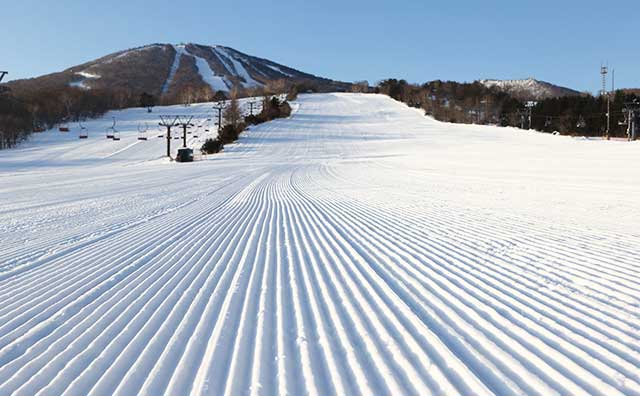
[(356, 248)]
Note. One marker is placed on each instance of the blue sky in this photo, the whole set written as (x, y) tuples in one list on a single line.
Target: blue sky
[(559, 41)]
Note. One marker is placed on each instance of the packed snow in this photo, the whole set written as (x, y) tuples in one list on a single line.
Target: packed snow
[(239, 69), (356, 248), (277, 69), (174, 68), (81, 83), (217, 83)]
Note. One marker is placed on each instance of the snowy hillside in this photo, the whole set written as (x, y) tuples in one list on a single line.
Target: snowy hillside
[(67, 149), (356, 248), (529, 89)]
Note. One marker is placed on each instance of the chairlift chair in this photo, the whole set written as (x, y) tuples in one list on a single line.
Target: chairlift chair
[(111, 131), (142, 132), (116, 135), (37, 127), (581, 122), (84, 132), (64, 127)]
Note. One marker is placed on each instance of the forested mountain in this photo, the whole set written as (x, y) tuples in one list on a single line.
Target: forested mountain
[(477, 103), (176, 73), (530, 89)]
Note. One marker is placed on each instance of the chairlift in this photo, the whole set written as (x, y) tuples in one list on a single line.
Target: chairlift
[(64, 127), (111, 131), (142, 132), (37, 128), (84, 132), (116, 135), (548, 122), (581, 122), (625, 120)]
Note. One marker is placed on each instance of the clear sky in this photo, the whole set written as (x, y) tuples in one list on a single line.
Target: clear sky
[(561, 41)]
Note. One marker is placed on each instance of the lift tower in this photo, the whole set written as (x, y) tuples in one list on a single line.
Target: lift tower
[(632, 115), (220, 107), (168, 122), (185, 123)]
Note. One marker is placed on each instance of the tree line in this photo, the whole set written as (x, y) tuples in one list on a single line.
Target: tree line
[(27, 112), (235, 124), (35, 109), (450, 101), (38, 109), (582, 115)]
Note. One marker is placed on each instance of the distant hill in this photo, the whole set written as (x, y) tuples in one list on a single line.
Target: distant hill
[(530, 89), (629, 91), (165, 69)]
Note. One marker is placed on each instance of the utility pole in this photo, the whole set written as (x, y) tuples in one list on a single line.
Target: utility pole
[(168, 122), (185, 123), (604, 70), (530, 105), (219, 106), (613, 92), (633, 113)]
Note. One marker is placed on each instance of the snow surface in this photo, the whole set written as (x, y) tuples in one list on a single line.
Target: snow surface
[(240, 70), (87, 74), (276, 68), (217, 83), (357, 248), (174, 69), (81, 83)]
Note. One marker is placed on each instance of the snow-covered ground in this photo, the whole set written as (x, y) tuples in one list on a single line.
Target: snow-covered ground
[(357, 248)]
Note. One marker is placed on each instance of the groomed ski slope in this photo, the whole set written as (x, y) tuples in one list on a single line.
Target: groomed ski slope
[(357, 248)]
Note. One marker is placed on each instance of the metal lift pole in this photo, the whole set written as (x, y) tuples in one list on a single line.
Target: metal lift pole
[(185, 123), (168, 140), (165, 123), (219, 107), (184, 135)]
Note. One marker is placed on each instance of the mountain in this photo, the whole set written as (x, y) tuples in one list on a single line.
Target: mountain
[(630, 91), (166, 69), (530, 89)]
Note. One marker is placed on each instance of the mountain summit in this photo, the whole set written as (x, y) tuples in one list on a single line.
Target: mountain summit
[(530, 89), (166, 69)]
